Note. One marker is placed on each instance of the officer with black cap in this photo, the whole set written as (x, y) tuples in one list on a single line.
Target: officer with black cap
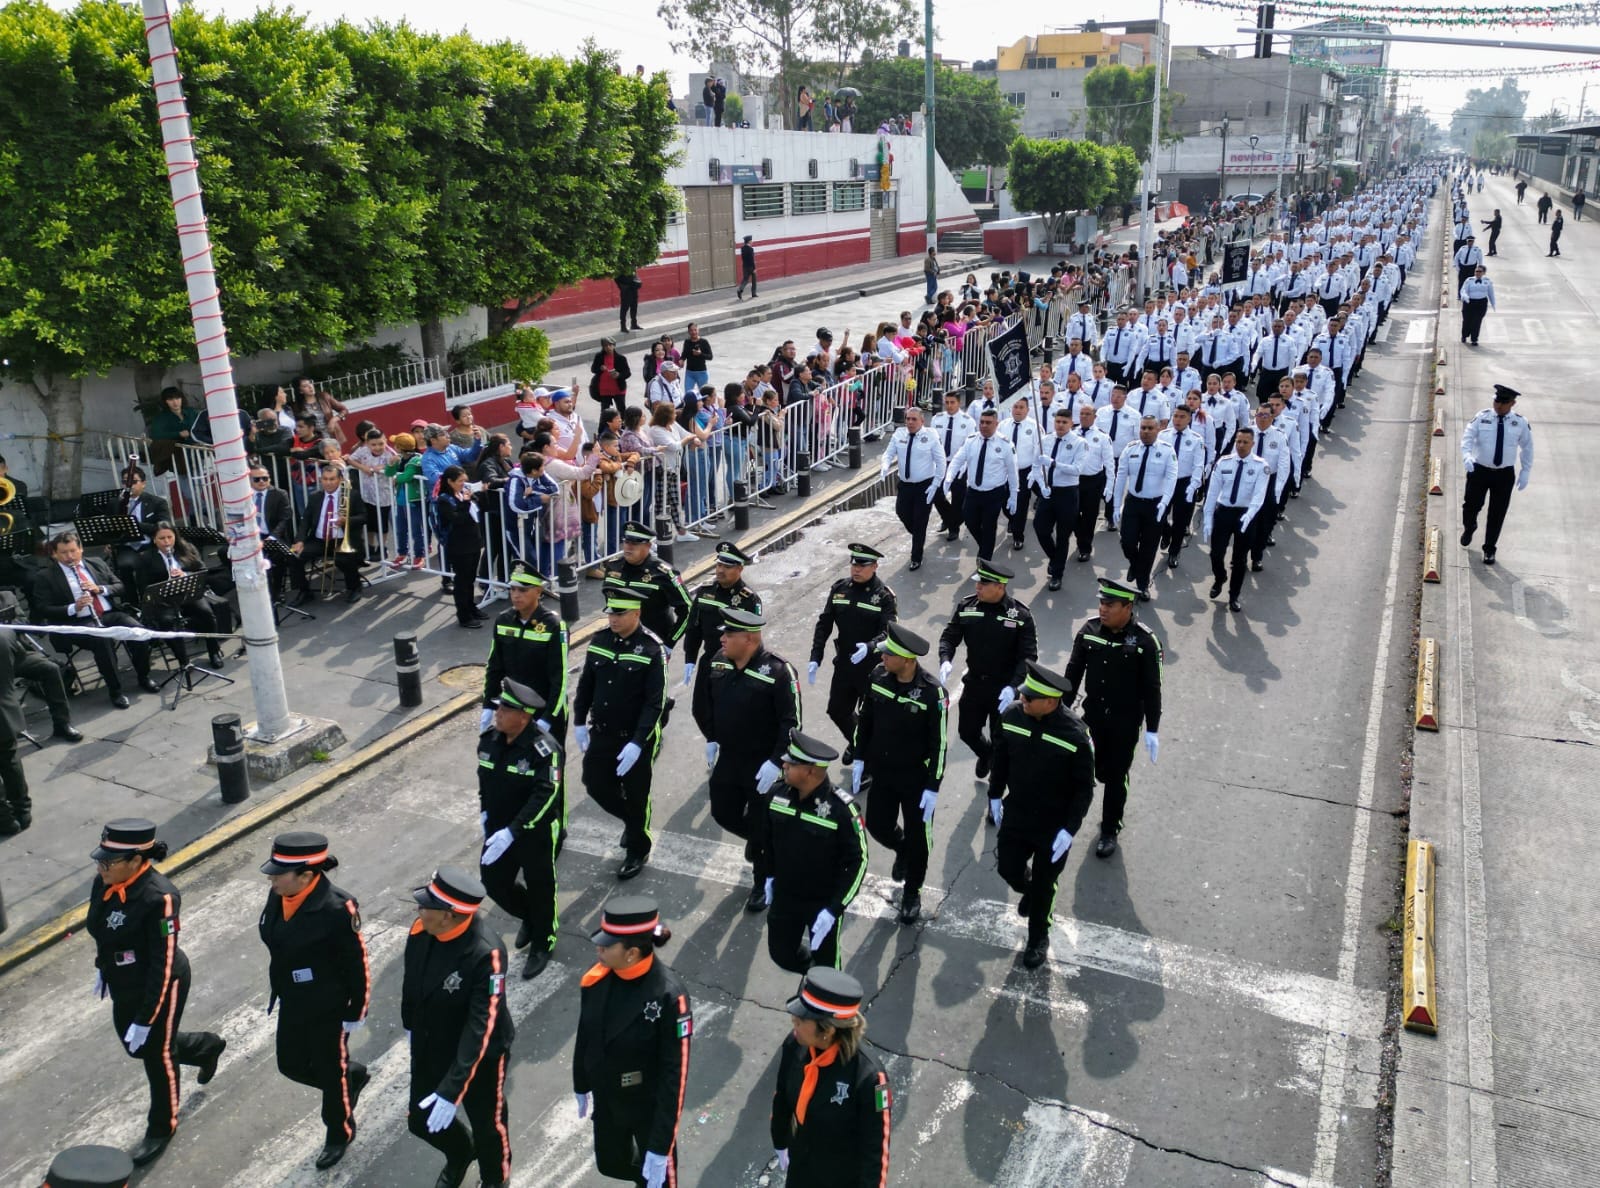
[(664, 602), (453, 1007), (631, 1061), (862, 607), (831, 1107), (727, 590), (746, 703), (1496, 449), (817, 849), (1117, 661), (900, 743), (529, 645), (1000, 637), (619, 714), (1043, 785), (321, 980), (89, 1167), (519, 805), (134, 918)]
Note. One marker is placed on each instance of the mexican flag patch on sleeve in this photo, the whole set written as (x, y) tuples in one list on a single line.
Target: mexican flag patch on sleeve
[(497, 983), (169, 926), (882, 1098), (685, 1026)]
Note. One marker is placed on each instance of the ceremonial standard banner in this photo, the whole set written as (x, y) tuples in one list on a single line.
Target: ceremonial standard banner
[(1009, 351), (1235, 262)]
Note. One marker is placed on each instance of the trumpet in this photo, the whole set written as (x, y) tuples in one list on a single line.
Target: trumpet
[(329, 551), (8, 495)]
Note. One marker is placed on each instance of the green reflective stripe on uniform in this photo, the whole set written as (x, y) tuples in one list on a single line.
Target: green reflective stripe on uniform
[(1060, 742), (1094, 639), (889, 693), (489, 763), (782, 808), (760, 676), (560, 707), (556, 828), (1015, 729), (861, 870), (868, 606), (823, 821), (971, 614), (631, 658), (597, 650), (704, 601), (944, 743), (506, 629)]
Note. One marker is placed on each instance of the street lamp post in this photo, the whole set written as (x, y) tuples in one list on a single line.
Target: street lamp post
[(1254, 140), (1222, 165)]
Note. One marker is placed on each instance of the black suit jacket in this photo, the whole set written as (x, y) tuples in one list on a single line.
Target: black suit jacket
[(279, 525), (152, 570), (356, 513), (153, 510), (51, 595)]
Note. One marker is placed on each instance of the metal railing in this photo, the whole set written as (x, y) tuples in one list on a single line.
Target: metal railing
[(385, 379), (477, 380)]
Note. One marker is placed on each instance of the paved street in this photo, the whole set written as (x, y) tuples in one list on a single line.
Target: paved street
[(1213, 1008)]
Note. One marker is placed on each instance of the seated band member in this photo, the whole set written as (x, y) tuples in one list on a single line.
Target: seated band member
[(323, 530), (170, 556), (273, 522), (80, 592), (147, 509)]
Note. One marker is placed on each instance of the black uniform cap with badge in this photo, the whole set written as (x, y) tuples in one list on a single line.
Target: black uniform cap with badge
[(451, 889), (514, 695), (630, 920), (731, 554), (807, 751), (993, 572), (90, 1167), (827, 995), (736, 619), (863, 554), (1040, 682), (301, 850), (901, 641), (128, 836), (634, 532), (1112, 590), (524, 575), (620, 598), (1505, 395)]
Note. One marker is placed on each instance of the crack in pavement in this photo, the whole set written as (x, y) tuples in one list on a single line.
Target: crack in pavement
[(1499, 1096), (928, 918)]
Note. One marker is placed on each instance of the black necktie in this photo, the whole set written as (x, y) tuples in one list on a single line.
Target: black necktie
[(1115, 414), (1116, 347), (983, 450), (1054, 450), (1260, 438), (905, 463), (1238, 473), (1177, 447), (1499, 440), (1138, 481), (949, 432), (1016, 428)]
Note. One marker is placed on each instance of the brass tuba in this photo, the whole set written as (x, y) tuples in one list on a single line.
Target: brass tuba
[(8, 495)]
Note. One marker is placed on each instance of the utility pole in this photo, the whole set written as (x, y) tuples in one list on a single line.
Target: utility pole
[(1149, 179), (1222, 165), (1284, 150), (930, 150)]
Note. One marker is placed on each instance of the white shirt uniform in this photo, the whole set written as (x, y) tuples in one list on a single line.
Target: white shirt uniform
[(1236, 482), (1485, 441), (1024, 438), (1061, 458), (1189, 452), (1272, 447), (1118, 345), (1097, 457), (1221, 422), (986, 462), (952, 431), (1158, 480), (1079, 363), (914, 459), (1120, 425), (1478, 288), (1082, 326), (1148, 404), (1099, 393)]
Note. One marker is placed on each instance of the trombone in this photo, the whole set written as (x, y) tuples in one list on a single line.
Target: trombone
[(329, 552), (8, 496)]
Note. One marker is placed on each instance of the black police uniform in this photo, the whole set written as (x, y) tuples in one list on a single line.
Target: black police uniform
[(703, 634), (1121, 677), (844, 1139), (320, 979), (519, 783), (1001, 639), (533, 651), (749, 714), (622, 694), (902, 736), (632, 1053), (817, 851), (1044, 776), (666, 602), (135, 931), (862, 611), (453, 1002)]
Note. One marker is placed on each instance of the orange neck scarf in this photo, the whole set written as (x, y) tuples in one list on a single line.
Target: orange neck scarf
[(598, 971), (814, 1066), (452, 933), (120, 890), (291, 903)]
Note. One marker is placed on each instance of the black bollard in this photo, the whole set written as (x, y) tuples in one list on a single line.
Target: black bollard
[(408, 669), (853, 447), (741, 505), (567, 588), (802, 473), (664, 536), (227, 742)]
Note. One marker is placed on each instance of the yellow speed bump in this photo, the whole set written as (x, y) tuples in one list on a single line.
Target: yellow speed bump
[(1427, 684), (1420, 1009), (1430, 559), (1435, 477), (1438, 422)]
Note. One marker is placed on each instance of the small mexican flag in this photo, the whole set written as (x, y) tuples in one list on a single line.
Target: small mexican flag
[(497, 983), (882, 1098), (169, 926), (685, 1027)]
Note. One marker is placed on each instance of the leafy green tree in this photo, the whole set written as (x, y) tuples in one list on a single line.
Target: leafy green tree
[(1492, 109), (1116, 102), (974, 126), (1057, 178), (1125, 174), (861, 31)]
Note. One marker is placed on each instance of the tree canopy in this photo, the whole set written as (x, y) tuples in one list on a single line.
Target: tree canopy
[(1116, 102), (974, 126), (1055, 178), (1495, 110)]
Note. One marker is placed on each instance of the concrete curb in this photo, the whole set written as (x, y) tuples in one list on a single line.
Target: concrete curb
[(46, 935)]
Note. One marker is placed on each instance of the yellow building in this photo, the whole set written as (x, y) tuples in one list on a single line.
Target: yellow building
[(1082, 50)]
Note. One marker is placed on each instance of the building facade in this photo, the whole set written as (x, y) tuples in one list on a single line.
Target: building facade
[(1042, 76)]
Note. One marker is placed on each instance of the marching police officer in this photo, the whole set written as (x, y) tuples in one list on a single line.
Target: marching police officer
[(862, 607), (915, 456), (1477, 296), (1235, 498), (529, 645), (133, 918), (320, 977), (817, 852), (620, 712), (519, 805), (453, 1007), (1117, 661), (1000, 637), (831, 1106), (900, 743), (632, 1055), (746, 703), (1043, 785), (664, 603), (726, 590), (1497, 442)]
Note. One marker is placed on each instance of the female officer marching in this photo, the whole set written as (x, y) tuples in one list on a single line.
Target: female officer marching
[(133, 918), (320, 980), (632, 1055)]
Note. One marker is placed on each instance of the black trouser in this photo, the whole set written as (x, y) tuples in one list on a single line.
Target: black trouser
[(1267, 383), (1091, 499), (1544, 214), (950, 509), (105, 650), (980, 512), (315, 1051), (484, 1104), (618, 402), (199, 615), (625, 797), (620, 1135), (16, 806), (1311, 452), (1472, 314), (165, 1048), (1330, 306), (1141, 537), (1115, 370), (911, 506), (1226, 535), (736, 805), (1053, 524), (1261, 526), (1496, 483), (894, 819), (1017, 521), (846, 688), (533, 854), (789, 923), (1115, 744), (629, 307), (27, 665), (1464, 274), (464, 571), (1180, 517), (977, 711), (749, 278), (1024, 863)]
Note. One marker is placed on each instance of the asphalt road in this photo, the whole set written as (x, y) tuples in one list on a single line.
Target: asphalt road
[(1213, 1008)]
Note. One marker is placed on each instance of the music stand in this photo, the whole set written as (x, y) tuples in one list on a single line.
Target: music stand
[(280, 554), (106, 528), (97, 503), (172, 595)]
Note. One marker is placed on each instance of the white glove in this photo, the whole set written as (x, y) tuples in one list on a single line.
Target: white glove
[(856, 769), (933, 493), (1522, 481), (351, 1026), (654, 1170), (811, 673), (1151, 744), (483, 825), (441, 1113), (1011, 506), (135, 1036), (767, 775), (930, 801), (820, 928), (860, 654), (544, 724), (585, 1103), (582, 735), (712, 751), (688, 673), (628, 756), (1008, 697), (485, 719), (495, 845), (767, 888), (783, 1159), (99, 985), (996, 810), (944, 672), (1060, 846), (1469, 464)]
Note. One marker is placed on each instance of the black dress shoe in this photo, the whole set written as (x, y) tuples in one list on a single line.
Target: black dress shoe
[(1016, 545), (120, 700), (911, 909), (453, 1174), (1172, 560), (208, 1062), (472, 624), (1083, 556), (301, 597), (1216, 588), (148, 684), (524, 936), (332, 1151), (215, 659), (352, 595), (9, 827), (1106, 846), (1233, 605), (631, 866), (359, 1076), (1488, 556), (67, 732), (1034, 955), (915, 565), (533, 967), (898, 874), (1466, 537), (1144, 593), (982, 768), (756, 901), (1053, 584), (149, 1149)]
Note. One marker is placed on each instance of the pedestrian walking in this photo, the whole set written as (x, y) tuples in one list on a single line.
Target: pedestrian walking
[(951, 427), (930, 275), (915, 457), (1001, 638), (1056, 477), (1544, 204), (1497, 445), (1477, 297), (861, 606), (628, 286), (1493, 226), (1467, 259), (1147, 478), (1522, 186), (1235, 497), (1578, 200), (987, 464), (1555, 235), (709, 604), (664, 602), (747, 264)]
